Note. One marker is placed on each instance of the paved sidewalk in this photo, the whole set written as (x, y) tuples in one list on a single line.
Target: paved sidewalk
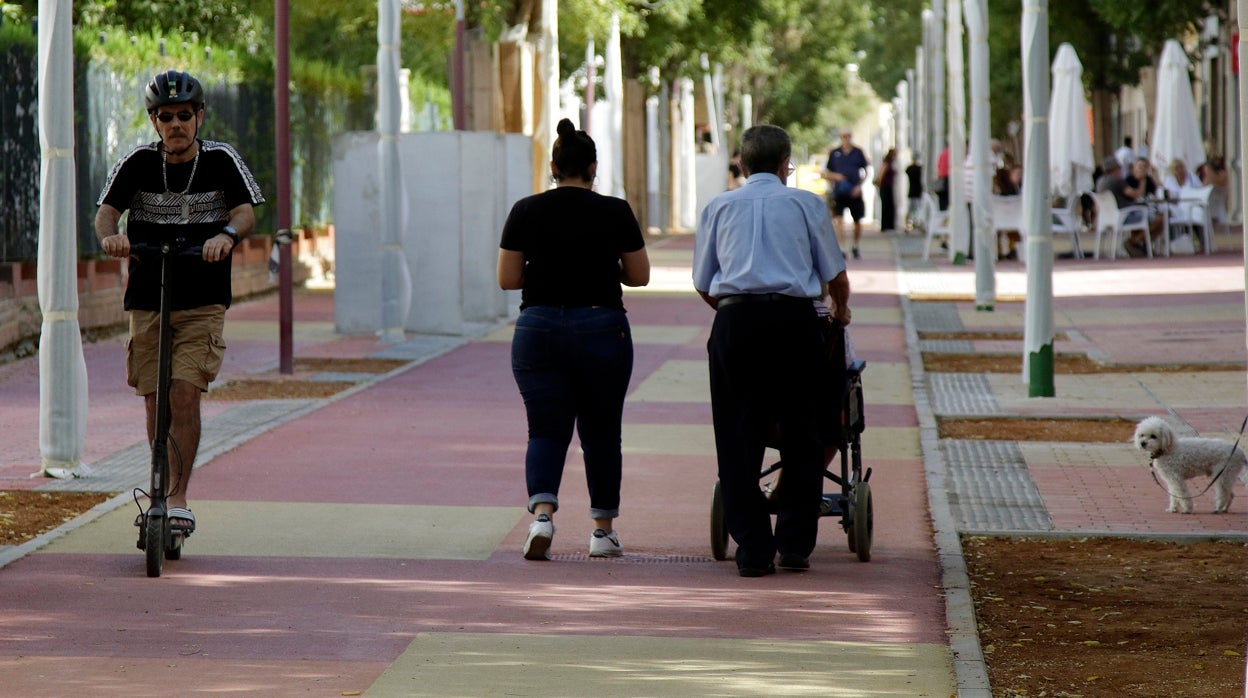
[(369, 543)]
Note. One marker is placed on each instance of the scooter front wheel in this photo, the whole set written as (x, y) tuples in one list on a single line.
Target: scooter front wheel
[(154, 532)]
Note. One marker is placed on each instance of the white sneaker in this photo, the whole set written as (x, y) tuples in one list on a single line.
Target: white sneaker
[(603, 544), (537, 546)]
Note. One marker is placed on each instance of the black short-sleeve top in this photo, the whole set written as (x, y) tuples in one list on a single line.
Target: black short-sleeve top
[(572, 239)]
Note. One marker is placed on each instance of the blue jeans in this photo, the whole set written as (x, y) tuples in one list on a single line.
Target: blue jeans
[(572, 366)]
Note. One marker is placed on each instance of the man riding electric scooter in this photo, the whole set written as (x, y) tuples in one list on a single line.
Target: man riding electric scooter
[(200, 193)]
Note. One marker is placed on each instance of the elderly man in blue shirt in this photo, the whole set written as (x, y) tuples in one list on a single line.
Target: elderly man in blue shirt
[(764, 255)]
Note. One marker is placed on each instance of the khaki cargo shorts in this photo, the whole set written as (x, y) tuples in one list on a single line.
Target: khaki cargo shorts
[(198, 347)]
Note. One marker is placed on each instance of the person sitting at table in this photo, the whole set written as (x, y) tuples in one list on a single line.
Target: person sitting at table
[(1003, 183), (1113, 181), (1214, 172), (1140, 184), (1177, 177)]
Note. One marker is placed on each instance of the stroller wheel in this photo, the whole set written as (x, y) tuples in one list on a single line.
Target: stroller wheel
[(719, 527)]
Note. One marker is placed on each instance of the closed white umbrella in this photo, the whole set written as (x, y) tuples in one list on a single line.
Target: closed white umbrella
[(1070, 146), (1176, 128)]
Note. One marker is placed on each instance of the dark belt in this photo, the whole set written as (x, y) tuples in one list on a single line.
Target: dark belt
[(758, 298)]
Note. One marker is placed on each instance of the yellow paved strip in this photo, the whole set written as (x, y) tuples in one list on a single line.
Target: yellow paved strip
[(436, 664), (263, 330), (890, 442), (677, 380), (669, 439), (296, 529), (887, 383)]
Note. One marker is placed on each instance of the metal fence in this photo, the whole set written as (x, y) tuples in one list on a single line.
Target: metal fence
[(110, 121)]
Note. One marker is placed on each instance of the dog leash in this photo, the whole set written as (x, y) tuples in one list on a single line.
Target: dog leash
[(1152, 469)]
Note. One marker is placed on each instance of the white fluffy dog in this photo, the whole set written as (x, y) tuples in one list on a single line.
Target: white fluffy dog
[(1177, 459)]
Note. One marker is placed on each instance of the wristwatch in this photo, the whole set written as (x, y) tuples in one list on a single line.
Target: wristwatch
[(230, 231)]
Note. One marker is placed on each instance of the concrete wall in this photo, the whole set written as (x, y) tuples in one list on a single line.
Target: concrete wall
[(458, 188)]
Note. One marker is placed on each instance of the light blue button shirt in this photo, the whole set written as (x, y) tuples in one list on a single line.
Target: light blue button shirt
[(766, 237)]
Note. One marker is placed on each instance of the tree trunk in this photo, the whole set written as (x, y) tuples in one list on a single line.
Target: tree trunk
[(1102, 123)]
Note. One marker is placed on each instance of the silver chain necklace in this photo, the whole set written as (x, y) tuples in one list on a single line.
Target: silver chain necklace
[(164, 175)]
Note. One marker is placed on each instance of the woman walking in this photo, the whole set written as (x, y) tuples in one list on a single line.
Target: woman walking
[(569, 250), (884, 181)]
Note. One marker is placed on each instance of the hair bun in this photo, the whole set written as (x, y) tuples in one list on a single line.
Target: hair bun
[(565, 128)]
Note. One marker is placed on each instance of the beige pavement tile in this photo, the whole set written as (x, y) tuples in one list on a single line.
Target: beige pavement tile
[(461, 664), (244, 330), (1117, 393), (1099, 455), (699, 440), (890, 442), (676, 335), (1207, 389), (677, 380), (1144, 315), (887, 383), (501, 334), (298, 529), (873, 316), (669, 439)]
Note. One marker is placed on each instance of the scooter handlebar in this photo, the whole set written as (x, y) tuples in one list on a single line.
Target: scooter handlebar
[(174, 248)]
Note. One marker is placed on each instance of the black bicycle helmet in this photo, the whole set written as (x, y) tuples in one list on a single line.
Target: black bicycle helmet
[(173, 87)]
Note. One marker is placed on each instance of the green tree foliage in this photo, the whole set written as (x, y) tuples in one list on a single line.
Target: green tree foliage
[(1113, 39), (790, 55), (894, 29)]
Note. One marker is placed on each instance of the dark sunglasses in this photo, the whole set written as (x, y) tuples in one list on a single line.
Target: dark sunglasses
[(183, 116)]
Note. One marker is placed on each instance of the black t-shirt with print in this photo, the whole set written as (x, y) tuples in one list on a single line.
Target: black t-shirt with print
[(177, 204)]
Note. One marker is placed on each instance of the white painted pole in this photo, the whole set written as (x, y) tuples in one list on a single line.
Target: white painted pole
[(959, 235), (396, 280), (981, 157), (1037, 211), (62, 368), (1242, 11)]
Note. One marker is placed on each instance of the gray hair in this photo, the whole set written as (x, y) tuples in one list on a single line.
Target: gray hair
[(764, 147)]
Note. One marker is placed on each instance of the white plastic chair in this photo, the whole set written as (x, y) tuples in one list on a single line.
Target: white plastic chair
[(1065, 222), (1110, 217), (1192, 213), (1007, 216), (935, 222)]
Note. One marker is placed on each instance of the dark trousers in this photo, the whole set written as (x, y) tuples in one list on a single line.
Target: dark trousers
[(888, 209), (765, 360), (572, 366)]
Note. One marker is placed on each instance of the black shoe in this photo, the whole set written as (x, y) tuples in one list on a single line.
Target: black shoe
[(745, 571), (794, 562), (857, 255), (1134, 249)]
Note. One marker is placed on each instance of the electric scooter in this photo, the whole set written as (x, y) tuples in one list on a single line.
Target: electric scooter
[(157, 536)]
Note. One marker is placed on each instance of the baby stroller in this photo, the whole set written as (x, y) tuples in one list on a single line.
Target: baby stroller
[(852, 501)]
